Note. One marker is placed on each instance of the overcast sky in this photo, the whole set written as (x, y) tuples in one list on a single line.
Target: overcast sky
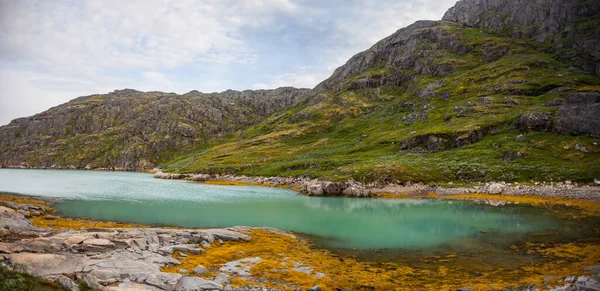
[(54, 51)]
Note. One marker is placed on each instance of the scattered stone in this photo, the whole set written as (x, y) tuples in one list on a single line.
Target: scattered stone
[(556, 102), (240, 267), (196, 284), (222, 278), (510, 101), (485, 101), (509, 156), (50, 217), (200, 270), (66, 283), (315, 288), (581, 148), (494, 188), (183, 271), (593, 268), (205, 244)]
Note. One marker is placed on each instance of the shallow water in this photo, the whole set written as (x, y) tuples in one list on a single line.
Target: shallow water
[(334, 222)]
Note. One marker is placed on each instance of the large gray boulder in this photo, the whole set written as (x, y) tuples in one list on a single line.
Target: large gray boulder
[(196, 284), (49, 264), (579, 114)]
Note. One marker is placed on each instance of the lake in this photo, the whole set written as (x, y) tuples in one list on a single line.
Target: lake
[(344, 223)]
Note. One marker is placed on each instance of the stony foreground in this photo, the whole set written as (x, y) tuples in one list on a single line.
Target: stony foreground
[(110, 259), (135, 258)]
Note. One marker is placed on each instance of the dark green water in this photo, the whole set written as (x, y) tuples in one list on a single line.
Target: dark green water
[(335, 222)]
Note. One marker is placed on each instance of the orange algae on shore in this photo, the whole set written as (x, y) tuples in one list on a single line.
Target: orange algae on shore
[(292, 263), (23, 200), (58, 222)]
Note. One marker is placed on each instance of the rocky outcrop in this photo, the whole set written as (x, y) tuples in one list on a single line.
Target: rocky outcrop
[(579, 114), (131, 130), (113, 259), (400, 54), (568, 24), (439, 142)]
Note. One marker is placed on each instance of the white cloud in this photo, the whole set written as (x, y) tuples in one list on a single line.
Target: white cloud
[(298, 80), (53, 51)]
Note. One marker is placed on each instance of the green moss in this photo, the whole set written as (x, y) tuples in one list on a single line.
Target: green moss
[(356, 134), (13, 278)]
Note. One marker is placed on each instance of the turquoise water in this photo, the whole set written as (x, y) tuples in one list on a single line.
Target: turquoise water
[(336, 222)]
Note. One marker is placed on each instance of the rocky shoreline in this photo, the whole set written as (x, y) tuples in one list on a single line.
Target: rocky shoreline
[(117, 259), (351, 188), (126, 259)]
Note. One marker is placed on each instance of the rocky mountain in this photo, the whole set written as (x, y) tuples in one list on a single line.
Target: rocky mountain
[(133, 130), (496, 90)]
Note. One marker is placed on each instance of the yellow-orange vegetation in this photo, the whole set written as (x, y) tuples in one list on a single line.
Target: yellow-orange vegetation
[(79, 223), (22, 199), (281, 254)]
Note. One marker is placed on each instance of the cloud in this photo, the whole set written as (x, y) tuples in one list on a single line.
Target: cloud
[(53, 51), (298, 80)]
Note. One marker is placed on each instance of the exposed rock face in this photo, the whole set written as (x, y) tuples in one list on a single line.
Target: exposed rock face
[(542, 20), (402, 54), (580, 114), (131, 130), (114, 259)]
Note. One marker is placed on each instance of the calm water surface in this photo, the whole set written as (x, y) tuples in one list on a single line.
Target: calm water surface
[(338, 222)]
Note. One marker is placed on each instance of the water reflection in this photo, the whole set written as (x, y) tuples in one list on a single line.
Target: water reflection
[(345, 223)]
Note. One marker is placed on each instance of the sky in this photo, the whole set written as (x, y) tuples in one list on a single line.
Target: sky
[(54, 51)]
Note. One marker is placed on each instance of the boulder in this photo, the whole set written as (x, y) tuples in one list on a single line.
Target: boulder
[(315, 189), (494, 188), (49, 264), (200, 270), (12, 220), (190, 248), (535, 121), (222, 278), (196, 284), (96, 244), (66, 283), (228, 235), (579, 114)]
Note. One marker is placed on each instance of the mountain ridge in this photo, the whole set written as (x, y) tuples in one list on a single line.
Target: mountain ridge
[(483, 94), (102, 116)]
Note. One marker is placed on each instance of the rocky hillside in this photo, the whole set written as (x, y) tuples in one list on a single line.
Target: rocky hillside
[(133, 130), (497, 90)]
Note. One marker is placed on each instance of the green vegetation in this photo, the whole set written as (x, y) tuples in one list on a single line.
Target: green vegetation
[(372, 134), (13, 279)]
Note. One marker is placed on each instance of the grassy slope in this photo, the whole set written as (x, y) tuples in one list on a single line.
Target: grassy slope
[(356, 133)]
